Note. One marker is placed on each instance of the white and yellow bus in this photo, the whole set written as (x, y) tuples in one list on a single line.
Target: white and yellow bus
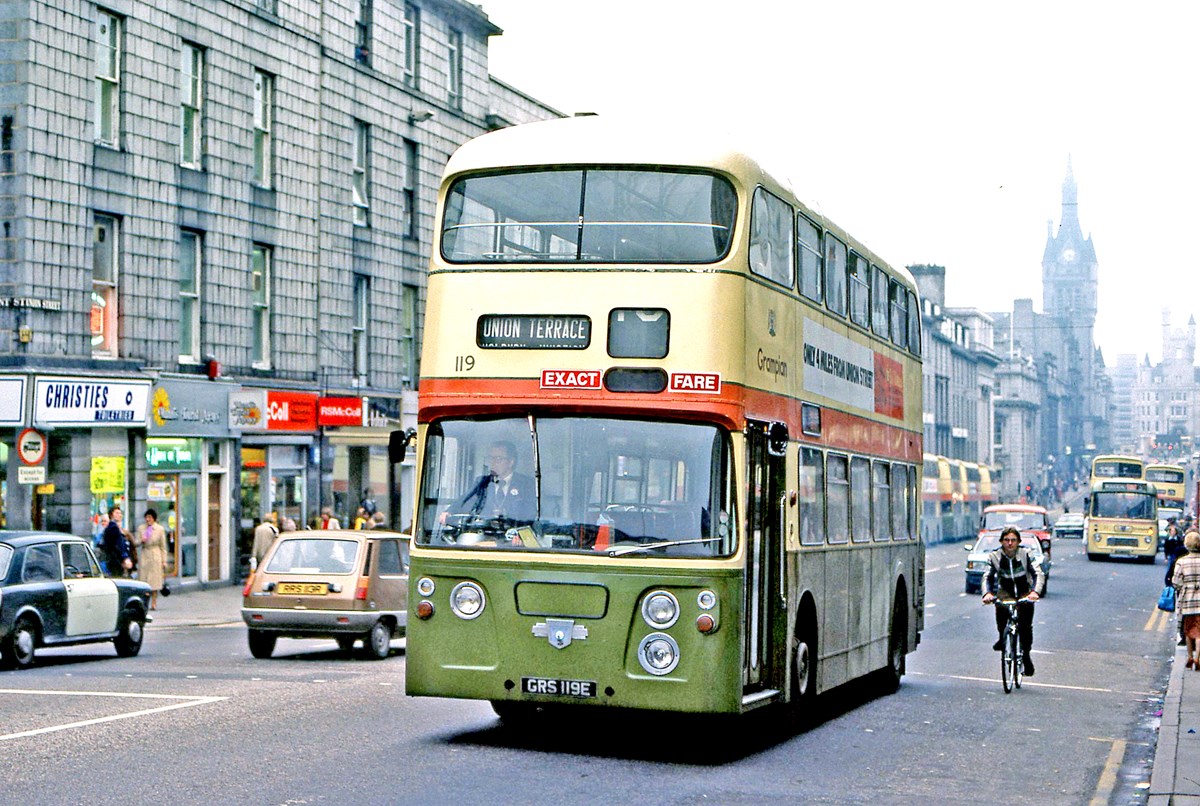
[(712, 399), (1122, 519), (1114, 467), (1171, 483)]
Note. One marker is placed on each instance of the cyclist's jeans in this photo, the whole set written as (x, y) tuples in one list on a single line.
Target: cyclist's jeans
[(1024, 624)]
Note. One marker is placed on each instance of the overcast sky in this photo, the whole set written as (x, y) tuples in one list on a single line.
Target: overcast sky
[(936, 132)]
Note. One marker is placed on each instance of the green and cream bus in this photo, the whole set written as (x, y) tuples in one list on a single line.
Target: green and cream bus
[(669, 442)]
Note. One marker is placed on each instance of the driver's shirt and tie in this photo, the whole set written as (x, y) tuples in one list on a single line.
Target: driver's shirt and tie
[(497, 493)]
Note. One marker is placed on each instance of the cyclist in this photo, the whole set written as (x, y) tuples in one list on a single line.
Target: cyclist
[(1013, 573)]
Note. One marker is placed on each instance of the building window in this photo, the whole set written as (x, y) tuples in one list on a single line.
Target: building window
[(359, 328), (260, 290), (191, 76), (362, 33), (190, 262), (108, 78), (408, 335), (361, 180), (409, 226), (105, 262), (454, 66), (264, 116), (412, 44)]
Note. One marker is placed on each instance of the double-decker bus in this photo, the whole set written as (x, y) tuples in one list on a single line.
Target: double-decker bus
[(1170, 481), (953, 494), (669, 434), (1122, 519), (1115, 467)]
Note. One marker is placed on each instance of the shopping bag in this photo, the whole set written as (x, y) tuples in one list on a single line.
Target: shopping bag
[(1166, 599)]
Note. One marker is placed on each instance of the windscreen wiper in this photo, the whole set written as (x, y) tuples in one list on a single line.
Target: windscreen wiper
[(622, 550)]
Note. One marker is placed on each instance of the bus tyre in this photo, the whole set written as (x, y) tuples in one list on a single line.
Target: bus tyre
[(897, 648), (803, 704)]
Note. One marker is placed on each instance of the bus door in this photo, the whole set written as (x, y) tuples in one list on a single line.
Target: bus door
[(764, 593)]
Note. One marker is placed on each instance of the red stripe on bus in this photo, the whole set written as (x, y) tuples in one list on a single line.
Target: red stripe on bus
[(840, 430)]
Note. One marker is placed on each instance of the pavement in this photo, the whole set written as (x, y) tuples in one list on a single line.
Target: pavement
[(195, 606)]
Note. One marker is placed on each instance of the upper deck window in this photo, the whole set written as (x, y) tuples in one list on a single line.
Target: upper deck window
[(589, 215), (771, 253)]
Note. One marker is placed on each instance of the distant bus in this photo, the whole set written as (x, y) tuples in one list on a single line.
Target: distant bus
[(1114, 467), (1122, 519), (713, 399), (953, 496), (1170, 481)]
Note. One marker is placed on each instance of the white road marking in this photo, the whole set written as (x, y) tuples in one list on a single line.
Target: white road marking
[(188, 702), (1031, 684)]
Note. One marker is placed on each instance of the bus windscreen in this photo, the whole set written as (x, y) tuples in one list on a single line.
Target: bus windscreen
[(589, 215)]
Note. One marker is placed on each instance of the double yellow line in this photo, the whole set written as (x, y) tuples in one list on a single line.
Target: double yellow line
[(1158, 621)]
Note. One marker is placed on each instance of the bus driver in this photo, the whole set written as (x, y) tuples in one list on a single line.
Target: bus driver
[(1013, 573), (501, 492)]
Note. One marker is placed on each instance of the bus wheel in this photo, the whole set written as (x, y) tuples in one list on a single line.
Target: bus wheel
[(803, 705), (1092, 557), (890, 675)]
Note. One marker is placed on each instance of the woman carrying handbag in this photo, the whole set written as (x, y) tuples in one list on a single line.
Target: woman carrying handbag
[(1187, 588)]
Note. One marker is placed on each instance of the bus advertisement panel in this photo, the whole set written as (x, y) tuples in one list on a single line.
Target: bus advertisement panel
[(669, 436)]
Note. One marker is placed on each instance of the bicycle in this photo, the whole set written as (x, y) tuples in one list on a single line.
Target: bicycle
[(1012, 659)]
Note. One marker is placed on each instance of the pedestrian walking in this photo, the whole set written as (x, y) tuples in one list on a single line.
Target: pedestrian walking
[(1187, 596), (264, 536), (152, 539)]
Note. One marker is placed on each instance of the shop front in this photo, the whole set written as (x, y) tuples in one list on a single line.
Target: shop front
[(355, 466), (188, 484), (278, 440)]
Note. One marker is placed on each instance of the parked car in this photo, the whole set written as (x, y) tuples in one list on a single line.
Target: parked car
[(52, 593), (977, 560), (341, 584), (1069, 524)]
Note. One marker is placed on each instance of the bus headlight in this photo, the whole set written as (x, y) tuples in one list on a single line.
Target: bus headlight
[(658, 653), (660, 609), (425, 586), (706, 600), (466, 600)]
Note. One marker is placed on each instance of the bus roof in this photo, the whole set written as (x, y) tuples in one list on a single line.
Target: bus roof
[(597, 140)]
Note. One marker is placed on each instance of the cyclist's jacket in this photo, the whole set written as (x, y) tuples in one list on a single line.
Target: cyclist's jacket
[(1015, 577)]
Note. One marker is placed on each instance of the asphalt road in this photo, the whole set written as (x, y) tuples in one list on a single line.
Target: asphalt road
[(195, 719)]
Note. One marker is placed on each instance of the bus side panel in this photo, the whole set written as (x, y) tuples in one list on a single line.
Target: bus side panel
[(834, 639), (487, 657)]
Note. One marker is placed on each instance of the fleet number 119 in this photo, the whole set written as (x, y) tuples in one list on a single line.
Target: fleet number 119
[(464, 363)]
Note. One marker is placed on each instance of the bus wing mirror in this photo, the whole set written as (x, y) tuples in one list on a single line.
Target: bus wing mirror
[(777, 439), (398, 442)]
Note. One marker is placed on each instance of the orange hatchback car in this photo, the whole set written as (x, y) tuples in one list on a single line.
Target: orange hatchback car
[(340, 584)]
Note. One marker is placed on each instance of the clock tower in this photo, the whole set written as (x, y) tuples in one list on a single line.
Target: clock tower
[(1070, 280)]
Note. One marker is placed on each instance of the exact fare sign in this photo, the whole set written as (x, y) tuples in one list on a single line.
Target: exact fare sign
[(570, 379), (705, 383)]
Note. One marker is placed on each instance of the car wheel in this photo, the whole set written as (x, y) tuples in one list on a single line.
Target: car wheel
[(129, 638), (379, 640), (262, 644), (19, 649), (346, 643)]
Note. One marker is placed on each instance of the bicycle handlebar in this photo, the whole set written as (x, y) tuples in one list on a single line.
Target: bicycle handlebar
[(999, 601)]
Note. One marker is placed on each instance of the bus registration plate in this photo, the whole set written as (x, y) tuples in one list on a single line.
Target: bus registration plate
[(557, 687)]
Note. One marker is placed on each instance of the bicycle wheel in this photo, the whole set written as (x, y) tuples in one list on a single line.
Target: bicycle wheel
[(1007, 666), (1018, 659)]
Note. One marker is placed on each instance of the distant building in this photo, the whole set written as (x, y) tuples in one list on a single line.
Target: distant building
[(1157, 407)]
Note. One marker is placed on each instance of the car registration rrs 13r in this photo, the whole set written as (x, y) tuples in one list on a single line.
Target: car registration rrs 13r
[(558, 688)]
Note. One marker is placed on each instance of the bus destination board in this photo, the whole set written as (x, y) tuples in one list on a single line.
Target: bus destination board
[(533, 332)]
